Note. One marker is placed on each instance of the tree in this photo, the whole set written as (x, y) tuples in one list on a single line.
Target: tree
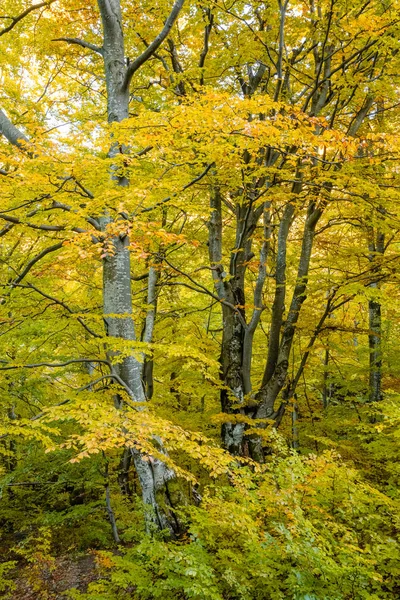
[(117, 301), (199, 207)]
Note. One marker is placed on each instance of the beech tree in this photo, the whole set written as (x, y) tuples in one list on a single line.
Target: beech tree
[(117, 300), (199, 259)]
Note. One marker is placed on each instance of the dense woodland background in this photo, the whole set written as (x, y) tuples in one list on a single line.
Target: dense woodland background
[(199, 316)]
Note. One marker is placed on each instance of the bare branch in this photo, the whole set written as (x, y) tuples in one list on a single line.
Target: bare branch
[(16, 221), (54, 365), (204, 52), (6, 229), (59, 302), (201, 287), (185, 187), (82, 43)]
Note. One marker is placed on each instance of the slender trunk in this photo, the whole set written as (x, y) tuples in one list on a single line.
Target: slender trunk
[(12, 449), (237, 336), (278, 306), (148, 330), (375, 351), (295, 428), (123, 474), (376, 250), (110, 512), (233, 331), (273, 384), (257, 299), (326, 391)]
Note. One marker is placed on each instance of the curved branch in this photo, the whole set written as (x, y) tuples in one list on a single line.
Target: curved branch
[(185, 187), (60, 303), (16, 221), (204, 290)]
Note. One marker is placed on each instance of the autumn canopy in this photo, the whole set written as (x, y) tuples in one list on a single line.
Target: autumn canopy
[(199, 299)]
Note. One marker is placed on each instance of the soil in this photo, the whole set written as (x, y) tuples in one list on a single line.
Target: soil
[(66, 573)]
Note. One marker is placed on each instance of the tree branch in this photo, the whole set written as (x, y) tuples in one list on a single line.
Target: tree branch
[(59, 302), (185, 187), (34, 260), (206, 291), (15, 20), (12, 133), (155, 44), (82, 43), (54, 365), (16, 221)]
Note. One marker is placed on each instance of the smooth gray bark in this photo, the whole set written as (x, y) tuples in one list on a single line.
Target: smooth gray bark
[(12, 133), (153, 473), (117, 300)]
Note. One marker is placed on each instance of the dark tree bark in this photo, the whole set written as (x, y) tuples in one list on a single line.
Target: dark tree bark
[(376, 251)]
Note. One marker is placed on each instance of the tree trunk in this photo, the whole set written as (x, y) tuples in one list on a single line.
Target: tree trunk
[(233, 331), (237, 336), (376, 249), (375, 351), (153, 474), (274, 380)]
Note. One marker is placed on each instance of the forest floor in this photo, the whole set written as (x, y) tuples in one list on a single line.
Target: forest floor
[(66, 573)]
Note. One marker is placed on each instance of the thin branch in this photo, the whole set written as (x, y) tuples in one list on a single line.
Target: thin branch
[(54, 365), (206, 291), (15, 20), (59, 302), (204, 52), (6, 229), (82, 43), (343, 64), (16, 221), (185, 187), (34, 260), (107, 376)]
